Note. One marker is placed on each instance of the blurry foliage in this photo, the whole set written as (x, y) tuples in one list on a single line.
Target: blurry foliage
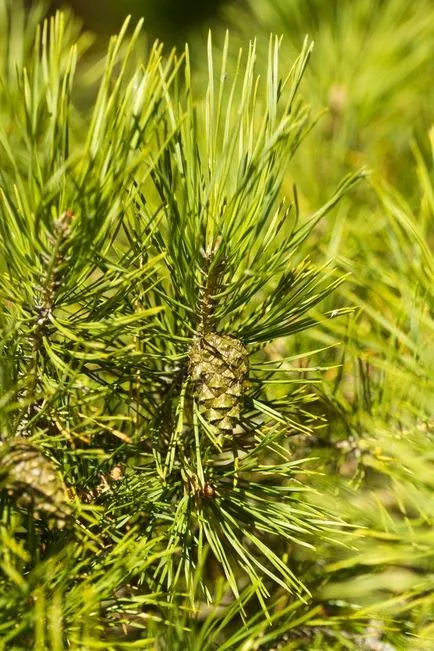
[(369, 72), (169, 20)]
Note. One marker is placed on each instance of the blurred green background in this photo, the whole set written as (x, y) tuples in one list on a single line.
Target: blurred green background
[(169, 20)]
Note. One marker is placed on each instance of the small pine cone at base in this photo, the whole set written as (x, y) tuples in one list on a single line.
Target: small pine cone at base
[(33, 482), (219, 367)]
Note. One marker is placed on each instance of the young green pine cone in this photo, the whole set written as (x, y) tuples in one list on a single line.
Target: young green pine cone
[(219, 366), (33, 481)]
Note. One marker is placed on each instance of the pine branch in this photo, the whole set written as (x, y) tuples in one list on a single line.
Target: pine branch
[(182, 463)]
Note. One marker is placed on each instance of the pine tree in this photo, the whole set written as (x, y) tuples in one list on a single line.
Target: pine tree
[(177, 425)]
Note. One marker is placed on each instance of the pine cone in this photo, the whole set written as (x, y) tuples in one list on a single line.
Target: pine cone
[(32, 480), (219, 366)]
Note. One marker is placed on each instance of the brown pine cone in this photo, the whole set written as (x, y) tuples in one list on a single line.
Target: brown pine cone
[(33, 481)]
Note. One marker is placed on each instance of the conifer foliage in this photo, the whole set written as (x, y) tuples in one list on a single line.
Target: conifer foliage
[(149, 261)]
